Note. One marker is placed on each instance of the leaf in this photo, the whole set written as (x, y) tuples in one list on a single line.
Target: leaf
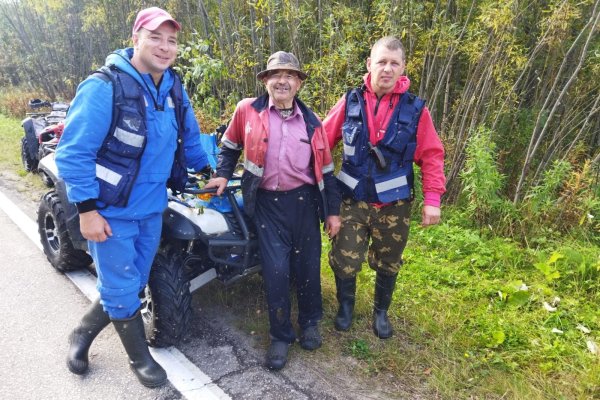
[(498, 337), (555, 257), (518, 298)]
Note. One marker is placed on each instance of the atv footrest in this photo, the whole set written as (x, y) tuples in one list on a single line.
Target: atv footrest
[(202, 279)]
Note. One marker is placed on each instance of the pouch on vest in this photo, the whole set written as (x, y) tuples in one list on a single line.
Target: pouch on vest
[(114, 186), (393, 186), (403, 142), (125, 141), (352, 128)]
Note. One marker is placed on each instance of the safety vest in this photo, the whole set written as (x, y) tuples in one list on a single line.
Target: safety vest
[(118, 160), (365, 179)]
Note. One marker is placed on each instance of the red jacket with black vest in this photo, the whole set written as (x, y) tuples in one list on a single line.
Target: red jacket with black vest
[(249, 131)]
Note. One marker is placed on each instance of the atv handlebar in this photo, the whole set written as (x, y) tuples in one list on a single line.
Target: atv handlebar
[(231, 188)]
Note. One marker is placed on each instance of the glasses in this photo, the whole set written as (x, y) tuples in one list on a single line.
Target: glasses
[(283, 75)]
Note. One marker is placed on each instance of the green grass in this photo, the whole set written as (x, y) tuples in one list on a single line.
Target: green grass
[(10, 145), (471, 323), (468, 314), (11, 133)]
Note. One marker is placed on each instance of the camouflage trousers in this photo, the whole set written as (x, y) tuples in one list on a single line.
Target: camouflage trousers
[(383, 231)]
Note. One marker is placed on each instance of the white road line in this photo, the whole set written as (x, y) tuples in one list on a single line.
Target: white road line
[(186, 377), (20, 219)]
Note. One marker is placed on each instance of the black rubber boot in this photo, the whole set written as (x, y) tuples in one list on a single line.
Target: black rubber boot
[(384, 289), (147, 370), (346, 295), (81, 338), (277, 355)]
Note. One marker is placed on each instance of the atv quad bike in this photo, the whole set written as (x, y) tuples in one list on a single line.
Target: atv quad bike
[(204, 237), (42, 130)]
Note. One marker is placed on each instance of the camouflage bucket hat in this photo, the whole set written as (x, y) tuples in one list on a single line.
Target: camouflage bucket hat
[(282, 60)]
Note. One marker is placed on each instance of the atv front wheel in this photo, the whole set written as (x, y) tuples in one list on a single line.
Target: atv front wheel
[(55, 238), (46, 179), (166, 307), (30, 163)]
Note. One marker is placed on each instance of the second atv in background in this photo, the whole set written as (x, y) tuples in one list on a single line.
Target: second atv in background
[(42, 128)]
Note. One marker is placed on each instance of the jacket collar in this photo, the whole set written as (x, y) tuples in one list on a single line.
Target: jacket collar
[(261, 103)]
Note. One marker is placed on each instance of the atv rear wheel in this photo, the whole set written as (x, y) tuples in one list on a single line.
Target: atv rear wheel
[(55, 238), (30, 163), (166, 307)]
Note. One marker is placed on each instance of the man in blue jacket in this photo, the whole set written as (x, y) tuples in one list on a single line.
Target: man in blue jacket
[(130, 132)]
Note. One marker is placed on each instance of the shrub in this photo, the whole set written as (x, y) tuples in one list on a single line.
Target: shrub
[(482, 181), (13, 100), (566, 199)]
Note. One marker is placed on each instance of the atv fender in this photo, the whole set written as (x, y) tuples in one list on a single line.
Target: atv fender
[(47, 166), (183, 222)]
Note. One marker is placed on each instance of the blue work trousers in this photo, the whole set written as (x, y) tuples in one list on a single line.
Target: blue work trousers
[(123, 263), (289, 237)]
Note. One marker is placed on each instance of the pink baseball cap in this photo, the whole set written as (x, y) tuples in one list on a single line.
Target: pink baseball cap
[(151, 18)]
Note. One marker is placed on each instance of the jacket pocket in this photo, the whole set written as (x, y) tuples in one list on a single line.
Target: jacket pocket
[(114, 181)]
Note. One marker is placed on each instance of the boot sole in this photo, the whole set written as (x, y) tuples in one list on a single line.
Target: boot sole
[(342, 328), (77, 371), (387, 336), (149, 384)]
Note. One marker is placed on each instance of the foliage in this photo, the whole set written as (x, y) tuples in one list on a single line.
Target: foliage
[(14, 101), (566, 200), (524, 70), (475, 315), (482, 182), (203, 76), (494, 324)]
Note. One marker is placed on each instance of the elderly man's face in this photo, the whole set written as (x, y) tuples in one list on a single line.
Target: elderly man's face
[(282, 86)]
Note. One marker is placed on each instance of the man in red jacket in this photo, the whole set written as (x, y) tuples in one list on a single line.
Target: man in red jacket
[(288, 184), (384, 129)]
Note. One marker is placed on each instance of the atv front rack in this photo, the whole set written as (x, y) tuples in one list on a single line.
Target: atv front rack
[(241, 259)]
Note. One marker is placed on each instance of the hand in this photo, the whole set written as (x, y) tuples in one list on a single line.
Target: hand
[(219, 182), (431, 215), (332, 225), (94, 227)]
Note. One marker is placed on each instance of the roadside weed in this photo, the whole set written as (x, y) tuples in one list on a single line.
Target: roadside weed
[(479, 317)]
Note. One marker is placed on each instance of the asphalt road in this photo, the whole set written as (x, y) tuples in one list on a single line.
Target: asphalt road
[(40, 306)]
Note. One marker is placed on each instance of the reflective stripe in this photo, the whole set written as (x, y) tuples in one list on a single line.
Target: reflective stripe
[(328, 168), (347, 180), (321, 186), (107, 175), (130, 138), (230, 145), (253, 168), (391, 184), (349, 150)]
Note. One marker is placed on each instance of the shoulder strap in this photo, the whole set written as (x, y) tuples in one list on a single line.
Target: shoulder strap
[(108, 74), (353, 102), (176, 93), (411, 107)]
